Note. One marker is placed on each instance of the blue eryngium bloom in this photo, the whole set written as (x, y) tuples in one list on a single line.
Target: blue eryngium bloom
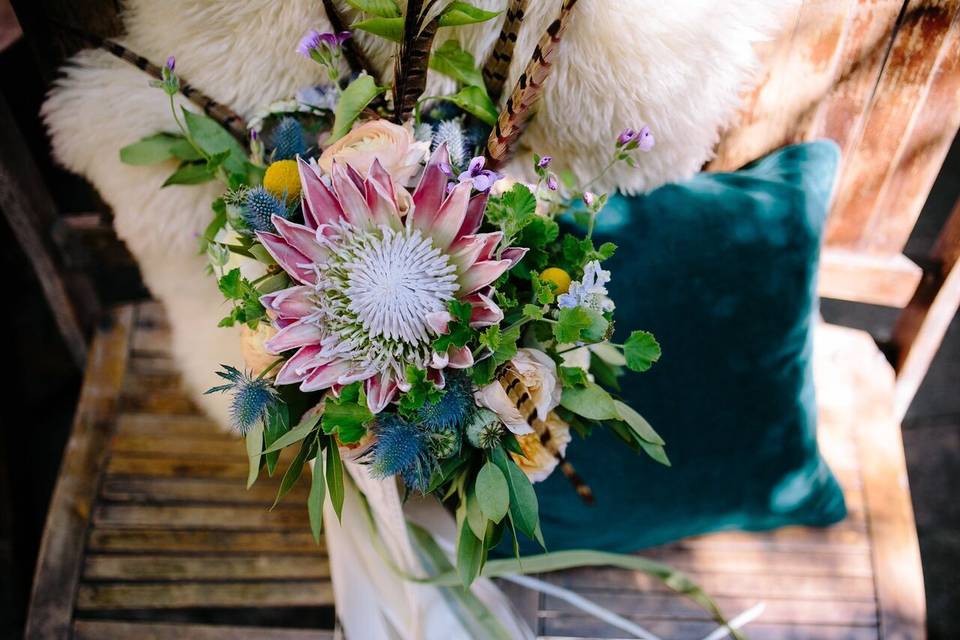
[(450, 132), (454, 406), (289, 140), (252, 397), (258, 206), (403, 449)]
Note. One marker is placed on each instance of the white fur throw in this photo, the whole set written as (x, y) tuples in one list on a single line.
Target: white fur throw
[(677, 67)]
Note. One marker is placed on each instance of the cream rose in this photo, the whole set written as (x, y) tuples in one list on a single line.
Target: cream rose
[(541, 453), (255, 356), (537, 374), (390, 143)]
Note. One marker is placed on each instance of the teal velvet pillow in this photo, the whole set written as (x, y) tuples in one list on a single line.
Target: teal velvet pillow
[(722, 269)]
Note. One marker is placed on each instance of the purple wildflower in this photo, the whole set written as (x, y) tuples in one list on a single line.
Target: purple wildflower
[(552, 183), (645, 139), (446, 169), (589, 197), (544, 162), (309, 43), (482, 179), (314, 40), (171, 63), (626, 136)]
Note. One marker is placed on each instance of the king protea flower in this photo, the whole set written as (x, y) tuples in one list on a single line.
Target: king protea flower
[(373, 285)]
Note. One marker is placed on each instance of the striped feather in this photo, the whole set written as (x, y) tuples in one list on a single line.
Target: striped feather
[(517, 392), (227, 117), (520, 105), (412, 62), (497, 66)]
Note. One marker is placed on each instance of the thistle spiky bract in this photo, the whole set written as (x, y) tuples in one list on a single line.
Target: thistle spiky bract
[(402, 448), (252, 397), (259, 206), (450, 132), (288, 139), (452, 408)]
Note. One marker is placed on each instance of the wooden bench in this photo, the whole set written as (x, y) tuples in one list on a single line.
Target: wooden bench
[(151, 534)]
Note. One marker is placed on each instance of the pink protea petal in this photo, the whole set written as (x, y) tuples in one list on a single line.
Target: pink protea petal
[(429, 193), (380, 390), (460, 357), (450, 218), (293, 302), (325, 375), (299, 365), (485, 312), (470, 249), (475, 209), (319, 204), (291, 260), (436, 377), (298, 334), (352, 200), (439, 321), (381, 198), (379, 176), (439, 360), (301, 238), (513, 254), (481, 274)]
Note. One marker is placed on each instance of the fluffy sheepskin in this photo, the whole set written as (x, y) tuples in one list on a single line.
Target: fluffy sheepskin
[(678, 69)]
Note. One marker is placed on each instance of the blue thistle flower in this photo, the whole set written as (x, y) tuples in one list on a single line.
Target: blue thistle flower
[(451, 133), (401, 449), (423, 132), (258, 206), (252, 397), (288, 139), (454, 406)]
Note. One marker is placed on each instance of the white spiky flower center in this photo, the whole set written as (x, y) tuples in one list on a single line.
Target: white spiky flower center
[(374, 294)]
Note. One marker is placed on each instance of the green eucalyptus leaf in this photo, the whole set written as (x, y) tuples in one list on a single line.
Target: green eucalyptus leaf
[(183, 150), (254, 442), (295, 470), (470, 555), (476, 102), (640, 426), (213, 139), (304, 428), (590, 401), (387, 28), (335, 476), (493, 494), (655, 451), (318, 490), (524, 508), (150, 150), (277, 424), (379, 8), (461, 13), (195, 173), (353, 101), (474, 514), (451, 60)]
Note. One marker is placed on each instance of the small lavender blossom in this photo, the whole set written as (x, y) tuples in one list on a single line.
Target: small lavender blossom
[(626, 136), (309, 43), (645, 139), (552, 183), (482, 179), (590, 291), (544, 162), (589, 197), (314, 41), (171, 63)]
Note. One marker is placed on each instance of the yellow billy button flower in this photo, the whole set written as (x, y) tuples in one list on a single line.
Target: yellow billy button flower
[(558, 278), (283, 179)]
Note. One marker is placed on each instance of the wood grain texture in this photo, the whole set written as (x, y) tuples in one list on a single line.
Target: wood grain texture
[(113, 630), (315, 593), (887, 280), (60, 558)]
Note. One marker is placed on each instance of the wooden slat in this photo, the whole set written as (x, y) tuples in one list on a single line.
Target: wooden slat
[(170, 426), (139, 568), (152, 340), (113, 630), (176, 467), (59, 560), (888, 280), (200, 517), (230, 448), (886, 136), (563, 627), (920, 328), (313, 593), (160, 539), (159, 490)]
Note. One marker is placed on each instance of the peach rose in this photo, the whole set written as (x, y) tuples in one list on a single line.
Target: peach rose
[(390, 143), (540, 453), (537, 376), (255, 356)]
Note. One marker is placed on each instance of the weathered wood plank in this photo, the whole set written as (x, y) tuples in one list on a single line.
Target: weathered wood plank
[(152, 340), (176, 467), (159, 490), (112, 630), (160, 539), (145, 424), (313, 593), (59, 560), (201, 517), (564, 627), (887, 280), (141, 568), (229, 448), (749, 562)]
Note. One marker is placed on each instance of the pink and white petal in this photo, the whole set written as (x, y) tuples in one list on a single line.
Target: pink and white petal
[(352, 200), (485, 312), (379, 176), (469, 249), (320, 205), (475, 209), (429, 193), (493, 397), (439, 360), (298, 334), (436, 377), (380, 390), (293, 302), (449, 219), (299, 365), (382, 204), (459, 357), (439, 321), (514, 254), (291, 260), (481, 274), (301, 238), (325, 375)]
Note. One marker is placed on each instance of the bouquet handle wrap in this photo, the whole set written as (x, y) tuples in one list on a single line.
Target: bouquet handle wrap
[(376, 600)]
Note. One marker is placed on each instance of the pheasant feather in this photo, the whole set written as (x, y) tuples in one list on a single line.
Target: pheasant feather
[(497, 66), (520, 105), (227, 117), (410, 68)]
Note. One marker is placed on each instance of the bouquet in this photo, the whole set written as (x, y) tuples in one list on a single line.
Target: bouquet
[(408, 311)]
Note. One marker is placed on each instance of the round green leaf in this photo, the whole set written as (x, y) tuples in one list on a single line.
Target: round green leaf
[(492, 491)]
